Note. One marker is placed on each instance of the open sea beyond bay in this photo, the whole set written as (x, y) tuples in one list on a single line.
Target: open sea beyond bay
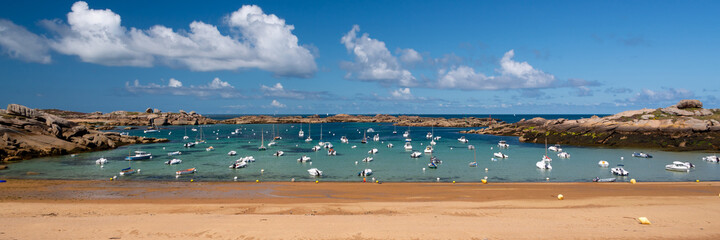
[(389, 164)]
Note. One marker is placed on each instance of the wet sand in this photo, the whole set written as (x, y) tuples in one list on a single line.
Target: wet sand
[(49, 209)]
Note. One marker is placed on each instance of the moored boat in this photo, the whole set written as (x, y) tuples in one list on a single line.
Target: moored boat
[(500, 155), (173, 161), (366, 172), (603, 163), (304, 158), (641, 155), (128, 171), (315, 172), (415, 154), (186, 171), (619, 170), (139, 155)]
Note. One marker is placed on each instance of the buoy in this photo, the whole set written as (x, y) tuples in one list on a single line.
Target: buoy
[(316, 181), (177, 176), (355, 162), (484, 181), (364, 180), (560, 197), (423, 169), (633, 181), (262, 170), (192, 180), (111, 179), (644, 220), (547, 179), (622, 158), (292, 180), (257, 180), (376, 181), (235, 178), (438, 179), (697, 180), (453, 182), (373, 179), (486, 169)]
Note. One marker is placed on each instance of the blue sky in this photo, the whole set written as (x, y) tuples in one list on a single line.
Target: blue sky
[(289, 57)]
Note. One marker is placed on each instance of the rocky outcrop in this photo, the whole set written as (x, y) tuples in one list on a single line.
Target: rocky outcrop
[(641, 128), (28, 133), (415, 121), (124, 118)]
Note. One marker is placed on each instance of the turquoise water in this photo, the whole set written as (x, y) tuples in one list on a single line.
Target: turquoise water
[(390, 164)]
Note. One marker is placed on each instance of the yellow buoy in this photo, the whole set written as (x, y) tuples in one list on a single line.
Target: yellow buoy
[(316, 181), (644, 220), (192, 180), (257, 180), (633, 181), (484, 181), (377, 181), (697, 180), (453, 182), (560, 197)]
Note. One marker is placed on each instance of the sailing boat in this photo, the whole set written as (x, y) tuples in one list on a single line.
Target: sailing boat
[(272, 142), (301, 134), (430, 134), (262, 141), (364, 140), (407, 133), (276, 134), (153, 129), (395, 129), (186, 136), (474, 163), (432, 141), (309, 138), (545, 162), (200, 138), (321, 143)]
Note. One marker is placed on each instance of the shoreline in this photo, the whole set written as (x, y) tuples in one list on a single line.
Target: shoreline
[(36, 209)]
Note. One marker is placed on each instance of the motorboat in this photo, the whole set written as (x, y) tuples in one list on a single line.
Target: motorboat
[(543, 165), (429, 135), (304, 158), (473, 164), (503, 144), (463, 139), (272, 143), (432, 165), (597, 179), (186, 171), (101, 160), (619, 170), (301, 133), (428, 149), (238, 164), (678, 166), (193, 129), (186, 137), (471, 147), (174, 153), (173, 161), (315, 172), (406, 134), (139, 155), (365, 173), (343, 139), (151, 131), (370, 130), (641, 155), (395, 130), (353, 146), (712, 158), (435, 160), (278, 153), (316, 148), (328, 145), (415, 154), (247, 159), (555, 148), (437, 138), (373, 151), (367, 159), (390, 145), (408, 146), (500, 155), (376, 137), (332, 152), (546, 158), (124, 134), (563, 155), (189, 145), (232, 153), (128, 171), (433, 143), (603, 163), (211, 148)]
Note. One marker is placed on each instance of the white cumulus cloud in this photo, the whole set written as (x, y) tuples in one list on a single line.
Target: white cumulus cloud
[(279, 91), (373, 62), (277, 104), (18, 42), (215, 88), (512, 75), (402, 94), (264, 42), (409, 56)]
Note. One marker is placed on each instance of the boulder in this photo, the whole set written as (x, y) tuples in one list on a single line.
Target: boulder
[(182, 112), (149, 110), (689, 103), (20, 110), (156, 110)]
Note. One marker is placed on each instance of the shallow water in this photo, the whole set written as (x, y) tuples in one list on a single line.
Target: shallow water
[(390, 164)]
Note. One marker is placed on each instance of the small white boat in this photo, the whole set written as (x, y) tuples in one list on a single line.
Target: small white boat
[(186, 137), (473, 164), (194, 129), (406, 134), (365, 173), (232, 153), (471, 147), (124, 134), (619, 170), (238, 164), (151, 131), (186, 171), (555, 148), (408, 146), (503, 144), (328, 145), (373, 151), (376, 137), (370, 130), (603, 163), (433, 143), (279, 153), (331, 152), (678, 166), (139, 155), (173, 161), (543, 165), (189, 145), (463, 139), (315, 172), (174, 153), (437, 138), (712, 158), (597, 179), (344, 139), (563, 155), (353, 146), (211, 148), (272, 143), (500, 155), (390, 145), (304, 158), (428, 149), (429, 135), (247, 159), (367, 159), (415, 154), (309, 139), (641, 155), (316, 148), (101, 160)]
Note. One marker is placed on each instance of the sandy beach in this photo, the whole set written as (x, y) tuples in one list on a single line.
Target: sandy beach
[(48, 209)]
